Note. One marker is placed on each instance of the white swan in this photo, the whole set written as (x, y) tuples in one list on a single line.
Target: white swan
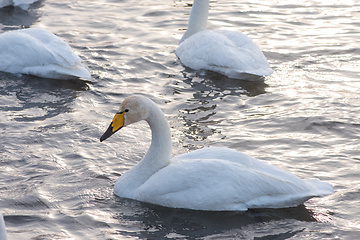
[(215, 178), (38, 52), (3, 235), (24, 4), (228, 52)]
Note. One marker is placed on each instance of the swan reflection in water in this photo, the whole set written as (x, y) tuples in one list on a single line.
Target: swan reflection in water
[(153, 221)]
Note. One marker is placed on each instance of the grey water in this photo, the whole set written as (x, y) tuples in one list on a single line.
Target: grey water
[(56, 178)]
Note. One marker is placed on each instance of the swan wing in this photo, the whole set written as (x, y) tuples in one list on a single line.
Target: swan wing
[(39, 52), (226, 182), (228, 52)]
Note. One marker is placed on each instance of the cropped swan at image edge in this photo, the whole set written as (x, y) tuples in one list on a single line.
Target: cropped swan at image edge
[(230, 53), (24, 4), (212, 179), (3, 234), (37, 51)]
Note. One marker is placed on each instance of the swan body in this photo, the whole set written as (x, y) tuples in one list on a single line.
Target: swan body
[(230, 53), (24, 4), (38, 52), (214, 178)]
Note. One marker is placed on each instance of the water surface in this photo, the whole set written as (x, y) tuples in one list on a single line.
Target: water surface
[(56, 178)]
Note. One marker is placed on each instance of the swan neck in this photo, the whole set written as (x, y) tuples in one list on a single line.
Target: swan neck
[(157, 157), (198, 18), (159, 152)]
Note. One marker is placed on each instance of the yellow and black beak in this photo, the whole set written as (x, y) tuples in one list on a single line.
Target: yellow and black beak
[(116, 124)]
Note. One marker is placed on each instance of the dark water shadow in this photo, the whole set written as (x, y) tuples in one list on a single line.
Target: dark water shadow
[(213, 95), (217, 82), (158, 222), (15, 17), (39, 98)]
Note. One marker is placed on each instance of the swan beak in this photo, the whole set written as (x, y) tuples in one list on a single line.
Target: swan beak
[(116, 124)]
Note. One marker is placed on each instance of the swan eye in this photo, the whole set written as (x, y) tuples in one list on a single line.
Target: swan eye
[(120, 112)]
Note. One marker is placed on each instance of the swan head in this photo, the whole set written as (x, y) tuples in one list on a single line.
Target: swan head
[(132, 109)]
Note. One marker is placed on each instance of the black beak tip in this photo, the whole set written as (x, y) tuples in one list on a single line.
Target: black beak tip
[(107, 134), (102, 138)]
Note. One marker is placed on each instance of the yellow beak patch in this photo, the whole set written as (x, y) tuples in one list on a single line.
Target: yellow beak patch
[(118, 121), (116, 124)]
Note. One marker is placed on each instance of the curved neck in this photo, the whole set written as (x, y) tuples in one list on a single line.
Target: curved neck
[(156, 158), (161, 143), (159, 152), (198, 18)]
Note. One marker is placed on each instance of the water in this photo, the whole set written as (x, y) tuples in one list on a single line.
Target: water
[(56, 177)]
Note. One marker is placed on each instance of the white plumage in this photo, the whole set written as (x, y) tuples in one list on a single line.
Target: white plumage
[(38, 52), (231, 53), (216, 179)]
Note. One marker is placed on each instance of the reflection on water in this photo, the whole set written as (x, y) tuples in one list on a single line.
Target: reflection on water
[(160, 222), (15, 17), (36, 98), (56, 179), (212, 81), (210, 93)]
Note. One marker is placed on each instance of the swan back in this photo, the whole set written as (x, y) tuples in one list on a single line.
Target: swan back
[(231, 53), (198, 18), (59, 49), (223, 179), (39, 52)]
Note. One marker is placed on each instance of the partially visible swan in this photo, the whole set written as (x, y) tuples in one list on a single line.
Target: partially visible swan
[(24, 4), (38, 52), (3, 235), (228, 52), (214, 178)]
